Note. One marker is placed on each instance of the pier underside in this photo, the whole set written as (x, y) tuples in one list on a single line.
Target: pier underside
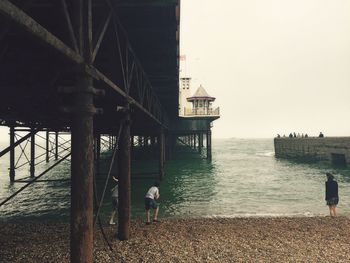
[(103, 72), (91, 68)]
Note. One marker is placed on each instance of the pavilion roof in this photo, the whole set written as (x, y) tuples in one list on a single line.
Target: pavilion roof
[(201, 94)]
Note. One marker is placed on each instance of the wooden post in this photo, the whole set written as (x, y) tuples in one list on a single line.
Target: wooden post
[(124, 186), (32, 152), (12, 153)]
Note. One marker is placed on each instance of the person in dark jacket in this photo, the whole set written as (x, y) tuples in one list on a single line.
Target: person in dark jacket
[(332, 197)]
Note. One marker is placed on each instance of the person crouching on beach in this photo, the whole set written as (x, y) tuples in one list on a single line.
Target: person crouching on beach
[(332, 197), (150, 202)]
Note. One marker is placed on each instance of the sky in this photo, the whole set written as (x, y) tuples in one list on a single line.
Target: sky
[(274, 66)]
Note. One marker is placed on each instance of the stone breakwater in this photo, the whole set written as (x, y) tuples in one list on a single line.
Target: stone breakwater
[(219, 240), (332, 149)]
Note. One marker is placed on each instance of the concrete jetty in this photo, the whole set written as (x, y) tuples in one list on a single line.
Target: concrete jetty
[(335, 150)]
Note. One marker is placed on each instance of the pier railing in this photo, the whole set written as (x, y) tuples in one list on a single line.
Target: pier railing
[(202, 112)]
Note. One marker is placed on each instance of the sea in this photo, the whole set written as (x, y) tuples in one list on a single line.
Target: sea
[(244, 179)]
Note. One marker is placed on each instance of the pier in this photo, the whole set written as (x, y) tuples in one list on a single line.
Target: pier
[(335, 150), (103, 72)]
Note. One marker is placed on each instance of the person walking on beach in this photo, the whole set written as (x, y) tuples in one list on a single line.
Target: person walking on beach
[(332, 197), (150, 202), (114, 201)]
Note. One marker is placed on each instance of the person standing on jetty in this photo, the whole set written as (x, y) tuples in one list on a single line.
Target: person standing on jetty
[(332, 197), (114, 201), (150, 202)]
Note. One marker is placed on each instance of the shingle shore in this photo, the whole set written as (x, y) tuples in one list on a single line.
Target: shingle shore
[(304, 239)]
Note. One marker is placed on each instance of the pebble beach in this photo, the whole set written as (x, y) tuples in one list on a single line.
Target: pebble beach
[(289, 239)]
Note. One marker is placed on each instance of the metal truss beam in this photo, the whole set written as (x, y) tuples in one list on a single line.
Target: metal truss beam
[(151, 107), (6, 150)]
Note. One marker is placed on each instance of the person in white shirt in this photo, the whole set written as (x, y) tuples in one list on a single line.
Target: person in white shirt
[(152, 195)]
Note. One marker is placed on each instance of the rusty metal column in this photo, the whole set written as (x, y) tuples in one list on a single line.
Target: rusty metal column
[(200, 142), (124, 186), (12, 153), (195, 141), (161, 153), (56, 145), (82, 175), (32, 152), (47, 146), (82, 160), (209, 144)]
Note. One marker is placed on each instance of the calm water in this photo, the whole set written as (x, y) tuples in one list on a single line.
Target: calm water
[(243, 179)]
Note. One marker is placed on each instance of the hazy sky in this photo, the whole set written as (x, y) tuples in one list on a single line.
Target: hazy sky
[(274, 66)]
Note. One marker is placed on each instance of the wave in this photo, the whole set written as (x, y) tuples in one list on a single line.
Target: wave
[(265, 154)]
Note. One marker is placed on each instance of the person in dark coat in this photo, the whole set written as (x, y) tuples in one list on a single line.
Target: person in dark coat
[(332, 197)]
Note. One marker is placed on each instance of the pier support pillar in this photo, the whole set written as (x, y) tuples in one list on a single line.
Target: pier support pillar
[(139, 141), (47, 146), (145, 141), (200, 142), (82, 174), (170, 143), (132, 146), (153, 141), (82, 139), (124, 186), (97, 151), (195, 141), (209, 144), (32, 153), (12, 153), (56, 145), (161, 141)]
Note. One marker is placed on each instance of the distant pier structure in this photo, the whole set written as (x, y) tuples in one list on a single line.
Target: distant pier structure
[(196, 116), (335, 150)]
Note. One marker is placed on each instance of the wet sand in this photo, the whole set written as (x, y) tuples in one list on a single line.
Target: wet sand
[(314, 239)]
